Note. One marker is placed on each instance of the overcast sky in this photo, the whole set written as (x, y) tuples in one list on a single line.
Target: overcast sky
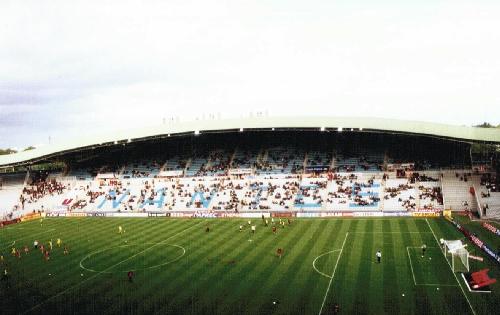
[(72, 67)]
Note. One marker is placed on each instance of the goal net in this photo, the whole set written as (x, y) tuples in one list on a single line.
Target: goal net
[(459, 255)]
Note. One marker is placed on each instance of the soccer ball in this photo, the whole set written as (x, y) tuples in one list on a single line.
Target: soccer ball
[(274, 302), (437, 289), (403, 294), (81, 274)]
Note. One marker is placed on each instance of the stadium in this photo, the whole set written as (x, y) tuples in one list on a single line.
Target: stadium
[(261, 215)]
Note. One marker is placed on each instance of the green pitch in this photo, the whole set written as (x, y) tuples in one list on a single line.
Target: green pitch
[(182, 269)]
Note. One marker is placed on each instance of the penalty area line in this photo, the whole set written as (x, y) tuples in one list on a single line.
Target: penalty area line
[(389, 232), (411, 266), (424, 284), (110, 267), (333, 274)]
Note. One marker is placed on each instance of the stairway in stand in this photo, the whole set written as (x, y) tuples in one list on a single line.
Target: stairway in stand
[(456, 191)]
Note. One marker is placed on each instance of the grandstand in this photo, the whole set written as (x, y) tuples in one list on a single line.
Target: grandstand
[(300, 169)]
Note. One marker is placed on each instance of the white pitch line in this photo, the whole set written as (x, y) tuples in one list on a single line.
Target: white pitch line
[(314, 262), (425, 284), (411, 266), (110, 267), (333, 274), (127, 245), (438, 285), (470, 305), (22, 228), (389, 232)]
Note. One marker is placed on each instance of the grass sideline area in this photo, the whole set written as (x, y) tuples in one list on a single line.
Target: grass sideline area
[(182, 269), (477, 228)]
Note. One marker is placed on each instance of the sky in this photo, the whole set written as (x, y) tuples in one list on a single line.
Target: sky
[(69, 68)]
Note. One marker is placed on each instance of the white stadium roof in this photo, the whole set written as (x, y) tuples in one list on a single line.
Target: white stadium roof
[(462, 133)]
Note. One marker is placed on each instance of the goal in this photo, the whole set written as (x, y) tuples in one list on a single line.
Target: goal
[(459, 255)]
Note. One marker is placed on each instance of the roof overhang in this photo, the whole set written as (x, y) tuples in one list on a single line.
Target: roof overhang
[(359, 124)]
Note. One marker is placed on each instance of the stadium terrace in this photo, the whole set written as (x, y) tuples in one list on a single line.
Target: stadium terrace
[(308, 167)]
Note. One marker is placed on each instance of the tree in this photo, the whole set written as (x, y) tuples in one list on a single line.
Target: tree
[(29, 148), (485, 125), (7, 151)]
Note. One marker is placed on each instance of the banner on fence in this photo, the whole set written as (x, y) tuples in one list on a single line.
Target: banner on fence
[(31, 216), (476, 241), (491, 228), (328, 214), (426, 213)]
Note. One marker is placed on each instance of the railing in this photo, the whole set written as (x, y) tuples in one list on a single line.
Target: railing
[(442, 190), (26, 178), (479, 208)]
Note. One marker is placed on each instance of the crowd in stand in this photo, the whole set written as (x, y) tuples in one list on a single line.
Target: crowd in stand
[(218, 162), (408, 203), (489, 182), (395, 191), (233, 195), (430, 196), (432, 193), (463, 176), (39, 189)]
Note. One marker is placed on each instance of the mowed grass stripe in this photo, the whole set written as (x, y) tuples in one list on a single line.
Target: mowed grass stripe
[(97, 274), (223, 272), (116, 283), (390, 275), (267, 266), (136, 238), (320, 288), (361, 298), (232, 244), (347, 276), (29, 267), (182, 273), (145, 297), (112, 284), (44, 282), (227, 245), (278, 281), (379, 242), (427, 299), (404, 276), (296, 285), (75, 270)]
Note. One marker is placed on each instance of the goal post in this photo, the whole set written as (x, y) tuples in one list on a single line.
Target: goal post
[(460, 259), (459, 255)]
